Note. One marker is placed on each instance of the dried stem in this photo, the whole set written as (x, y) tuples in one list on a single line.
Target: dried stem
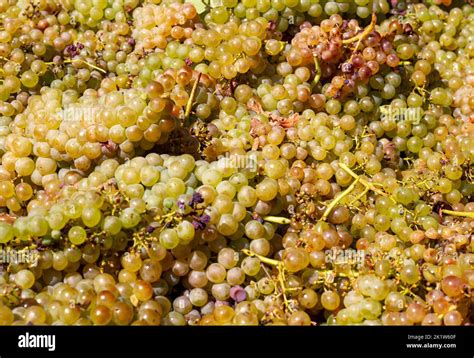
[(467, 214), (364, 33), (189, 105), (341, 196), (317, 75), (86, 63), (364, 182), (277, 219)]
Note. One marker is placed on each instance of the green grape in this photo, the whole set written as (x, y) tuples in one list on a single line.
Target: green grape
[(29, 79), (112, 225), (409, 274), (169, 238), (25, 279), (77, 235), (6, 232), (129, 218), (91, 216)]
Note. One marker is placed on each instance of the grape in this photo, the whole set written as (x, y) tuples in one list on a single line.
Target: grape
[(452, 286), (24, 279), (295, 259), (6, 233), (330, 300), (77, 235), (6, 315), (263, 162), (35, 315)]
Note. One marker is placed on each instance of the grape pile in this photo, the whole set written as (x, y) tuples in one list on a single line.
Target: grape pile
[(284, 162)]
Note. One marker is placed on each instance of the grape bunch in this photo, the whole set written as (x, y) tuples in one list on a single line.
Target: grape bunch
[(283, 162)]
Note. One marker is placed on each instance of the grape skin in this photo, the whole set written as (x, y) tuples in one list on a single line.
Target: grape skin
[(203, 169)]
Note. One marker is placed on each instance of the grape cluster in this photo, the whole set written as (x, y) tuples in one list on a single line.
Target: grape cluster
[(155, 24), (284, 162)]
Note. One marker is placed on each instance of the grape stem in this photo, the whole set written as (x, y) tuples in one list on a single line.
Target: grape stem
[(262, 258), (341, 196), (358, 197), (408, 291), (364, 33), (277, 219), (86, 63), (361, 36), (367, 184), (329, 275), (189, 105), (317, 67), (281, 275), (140, 241), (467, 214)]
